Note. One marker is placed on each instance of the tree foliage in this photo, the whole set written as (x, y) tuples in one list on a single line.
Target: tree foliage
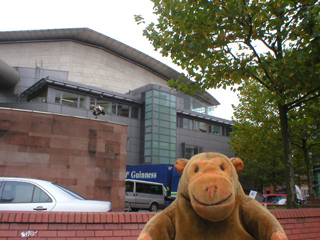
[(257, 140), (256, 136), (305, 134), (222, 43)]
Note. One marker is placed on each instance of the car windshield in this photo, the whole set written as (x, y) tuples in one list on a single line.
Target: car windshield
[(73, 194)]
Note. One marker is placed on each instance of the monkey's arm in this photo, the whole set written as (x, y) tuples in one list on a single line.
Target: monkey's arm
[(159, 227), (259, 222)]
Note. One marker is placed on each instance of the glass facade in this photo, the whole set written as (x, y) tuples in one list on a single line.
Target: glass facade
[(160, 127), (196, 105)]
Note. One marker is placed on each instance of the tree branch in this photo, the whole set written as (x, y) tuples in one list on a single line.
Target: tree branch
[(303, 99)]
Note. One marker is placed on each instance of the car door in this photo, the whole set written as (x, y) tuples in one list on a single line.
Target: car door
[(143, 195), (24, 196)]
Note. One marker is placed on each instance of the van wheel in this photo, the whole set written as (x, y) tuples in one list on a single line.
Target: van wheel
[(154, 207)]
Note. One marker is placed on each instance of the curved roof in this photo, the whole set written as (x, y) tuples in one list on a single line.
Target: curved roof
[(96, 39)]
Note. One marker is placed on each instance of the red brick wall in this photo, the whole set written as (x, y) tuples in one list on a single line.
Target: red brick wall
[(301, 224), (85, 155)]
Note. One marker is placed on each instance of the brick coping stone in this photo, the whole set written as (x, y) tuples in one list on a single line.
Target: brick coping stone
[(121, 217)]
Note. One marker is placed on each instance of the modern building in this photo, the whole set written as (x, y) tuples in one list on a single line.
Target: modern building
[(72, 72)]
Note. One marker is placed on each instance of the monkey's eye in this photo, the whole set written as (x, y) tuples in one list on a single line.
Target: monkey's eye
[(222, 168), (196, 170)]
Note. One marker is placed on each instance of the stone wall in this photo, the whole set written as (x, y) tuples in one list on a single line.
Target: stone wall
[(87, 156)]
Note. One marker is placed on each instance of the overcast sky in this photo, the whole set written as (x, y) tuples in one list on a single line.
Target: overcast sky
[(113, 18)]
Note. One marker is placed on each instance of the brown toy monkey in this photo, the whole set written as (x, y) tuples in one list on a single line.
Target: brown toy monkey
[(211, 204)]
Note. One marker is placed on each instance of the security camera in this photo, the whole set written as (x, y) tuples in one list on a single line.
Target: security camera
[(98, 110)]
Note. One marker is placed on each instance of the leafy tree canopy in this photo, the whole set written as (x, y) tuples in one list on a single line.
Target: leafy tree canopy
[(257, 140), (220, 43)]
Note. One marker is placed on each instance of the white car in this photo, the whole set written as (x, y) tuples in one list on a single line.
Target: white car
[(25, 194)]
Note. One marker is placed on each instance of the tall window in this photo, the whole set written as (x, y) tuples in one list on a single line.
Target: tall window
[(227, 131), (160, 124), (187, 123)]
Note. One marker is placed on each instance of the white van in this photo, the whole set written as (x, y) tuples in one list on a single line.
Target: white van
[(144, 195)]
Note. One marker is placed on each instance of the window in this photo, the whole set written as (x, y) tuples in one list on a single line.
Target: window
[(107, 105), (73, 194), (189, 151), (187, 123), (215, 129), (129, 186), (197, 105), (20, 192), (40, 96), (82, 101), (58, 97), (204, 127), (134, 112), (70, 99), (228, 131), (161, 122), (118, 109), (201, 127), (148, 188), (123, 110)]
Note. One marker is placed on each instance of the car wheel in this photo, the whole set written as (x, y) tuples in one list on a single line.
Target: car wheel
[(154, 207)]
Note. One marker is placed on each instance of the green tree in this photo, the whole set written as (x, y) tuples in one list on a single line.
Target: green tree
[(305, 134), (256, 136), (222, 43)]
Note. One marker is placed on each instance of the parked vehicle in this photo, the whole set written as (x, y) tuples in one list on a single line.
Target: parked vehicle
[(274, 199), (144, 195), (281, 199), (159, 173), (25, 194)]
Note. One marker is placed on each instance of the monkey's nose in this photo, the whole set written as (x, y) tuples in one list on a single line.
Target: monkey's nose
[(212, 192), (214, 188)]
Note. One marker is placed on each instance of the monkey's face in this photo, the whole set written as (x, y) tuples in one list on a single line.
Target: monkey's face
[(211, 181), (211, 190)]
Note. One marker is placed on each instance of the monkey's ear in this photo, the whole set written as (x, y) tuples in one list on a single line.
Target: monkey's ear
[(238, 164), (180, 165)]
